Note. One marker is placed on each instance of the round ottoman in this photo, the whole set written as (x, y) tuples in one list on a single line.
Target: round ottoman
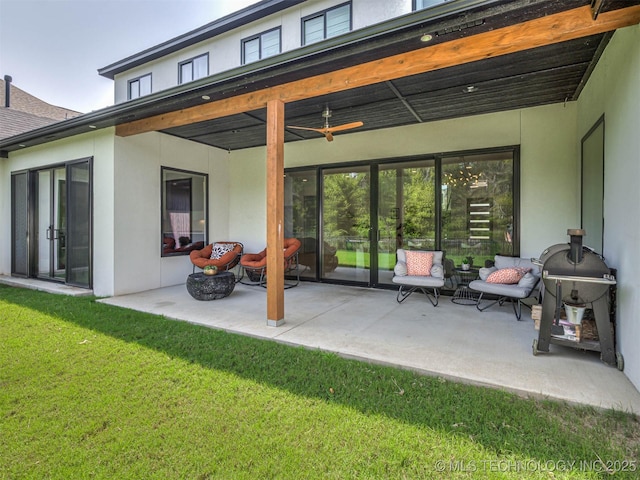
[(210, 287)]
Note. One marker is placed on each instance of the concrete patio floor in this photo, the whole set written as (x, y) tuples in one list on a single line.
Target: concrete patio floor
[(453, 341)]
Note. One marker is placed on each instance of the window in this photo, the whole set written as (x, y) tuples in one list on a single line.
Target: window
[(326, 24), (193, 69), (261, 46), (421, 4), (140, 86), (184, 212)]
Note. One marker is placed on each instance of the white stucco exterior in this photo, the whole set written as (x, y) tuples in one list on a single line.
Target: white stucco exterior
[(225, 50), (613, 91)]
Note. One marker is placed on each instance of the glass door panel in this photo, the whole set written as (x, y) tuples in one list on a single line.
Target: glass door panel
[(301, 218), (406, 211), (51, 219), (346, 223), (78, 231), (477, 206), (20, 224)]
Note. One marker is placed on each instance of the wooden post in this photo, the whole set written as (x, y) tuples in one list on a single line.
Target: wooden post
[(275, 213)]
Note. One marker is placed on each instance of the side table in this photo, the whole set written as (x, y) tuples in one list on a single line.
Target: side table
[(463, 294), (211, 287)]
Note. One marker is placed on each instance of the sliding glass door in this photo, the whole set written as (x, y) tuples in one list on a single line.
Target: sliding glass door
[(346, 223), (51, 219), (406, 211), (51, 223), (477, 208), (352, 218)]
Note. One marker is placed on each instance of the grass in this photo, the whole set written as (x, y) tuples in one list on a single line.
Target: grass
[(94, 391)]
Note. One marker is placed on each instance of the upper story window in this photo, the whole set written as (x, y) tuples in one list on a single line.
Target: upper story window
[(420, 4), (193, 69), (140, 86), (326, 24), (263, 45)]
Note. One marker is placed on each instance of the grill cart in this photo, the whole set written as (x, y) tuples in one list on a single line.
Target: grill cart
[(576, 278)]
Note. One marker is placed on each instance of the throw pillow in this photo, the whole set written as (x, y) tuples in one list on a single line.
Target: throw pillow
[(528, 281), (507, 276), (419, 263), (400, 269), (484, 272), (220, 249)]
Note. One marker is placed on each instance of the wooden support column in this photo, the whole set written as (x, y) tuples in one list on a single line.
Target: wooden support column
[(275, 213)]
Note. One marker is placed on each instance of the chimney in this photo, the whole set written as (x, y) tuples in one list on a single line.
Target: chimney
[(7, 90)]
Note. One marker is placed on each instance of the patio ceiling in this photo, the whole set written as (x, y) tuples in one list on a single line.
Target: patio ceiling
[(544, 75)]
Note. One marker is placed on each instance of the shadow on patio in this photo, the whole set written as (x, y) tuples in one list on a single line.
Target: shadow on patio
[(452, 341)]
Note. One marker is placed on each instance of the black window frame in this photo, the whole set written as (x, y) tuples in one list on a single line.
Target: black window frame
[(258, 37), (164, 252), (191, 60), (137, 79), (323, 13), (414, 5)]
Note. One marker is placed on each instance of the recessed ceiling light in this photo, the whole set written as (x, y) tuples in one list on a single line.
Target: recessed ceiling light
[(206, 97), (470, 89), (427, 37), (92, 126), (22, 145)]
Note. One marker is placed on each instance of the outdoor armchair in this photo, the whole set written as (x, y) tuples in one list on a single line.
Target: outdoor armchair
[(255, 264), (226, 255), (510, 278), (419, 270)]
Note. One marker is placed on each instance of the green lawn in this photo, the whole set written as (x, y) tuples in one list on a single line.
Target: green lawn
[(94, 391)]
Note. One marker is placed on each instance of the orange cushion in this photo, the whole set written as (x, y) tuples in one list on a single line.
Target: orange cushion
[(419, 263), (507, 276)]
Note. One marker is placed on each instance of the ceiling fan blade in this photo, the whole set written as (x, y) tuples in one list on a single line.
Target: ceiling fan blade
[(319, 130), (346, 126)]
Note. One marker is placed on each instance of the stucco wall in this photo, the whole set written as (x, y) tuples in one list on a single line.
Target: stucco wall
[(547, 136), (613, 91), (138, 265), (98, 145), (224, 50)]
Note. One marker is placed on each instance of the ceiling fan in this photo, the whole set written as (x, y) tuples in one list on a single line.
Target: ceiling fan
[(328, 130)]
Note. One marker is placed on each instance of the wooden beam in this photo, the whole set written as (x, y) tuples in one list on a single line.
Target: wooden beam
[(275, 212), (560, 27)]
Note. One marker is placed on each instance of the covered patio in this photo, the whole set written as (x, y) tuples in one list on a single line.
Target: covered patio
[(451, 341)]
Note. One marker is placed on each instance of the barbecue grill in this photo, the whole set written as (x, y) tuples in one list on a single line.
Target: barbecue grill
[(576, 276)]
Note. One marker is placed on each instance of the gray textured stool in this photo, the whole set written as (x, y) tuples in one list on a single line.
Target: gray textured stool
[(210, 287)]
